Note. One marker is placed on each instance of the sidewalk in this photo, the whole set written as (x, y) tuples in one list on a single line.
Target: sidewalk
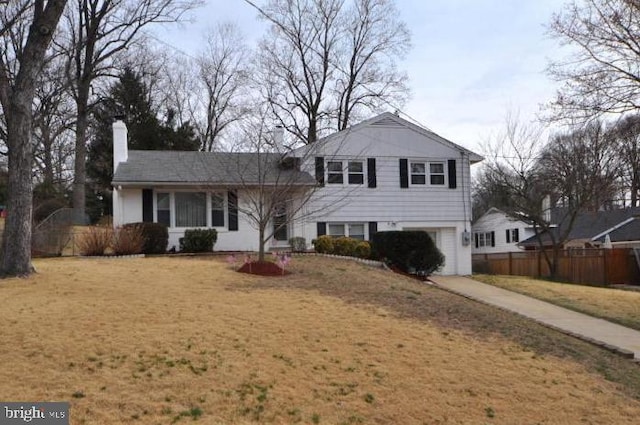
[(611, 336)]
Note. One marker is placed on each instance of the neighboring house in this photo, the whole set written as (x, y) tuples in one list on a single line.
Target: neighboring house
[(495, 231), (382, 174), (590, 230)]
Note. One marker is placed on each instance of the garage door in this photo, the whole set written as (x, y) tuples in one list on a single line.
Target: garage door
[(445, 239)]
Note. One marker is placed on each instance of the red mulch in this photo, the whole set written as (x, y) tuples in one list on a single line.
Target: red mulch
[(262, 268)]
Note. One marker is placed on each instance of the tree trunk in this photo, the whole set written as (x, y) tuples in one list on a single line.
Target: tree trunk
[(262, 244), (80, 165), (16, 242)]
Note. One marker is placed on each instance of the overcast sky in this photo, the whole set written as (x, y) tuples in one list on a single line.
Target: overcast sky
[(471, 60)]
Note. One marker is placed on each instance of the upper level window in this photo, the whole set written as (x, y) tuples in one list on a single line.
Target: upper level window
[(418, 173), (356, 172), (334, 172), (436, 173)]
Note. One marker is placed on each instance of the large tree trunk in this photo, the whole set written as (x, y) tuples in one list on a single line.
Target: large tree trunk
[(80, 167), (261, 232), (16, 242)]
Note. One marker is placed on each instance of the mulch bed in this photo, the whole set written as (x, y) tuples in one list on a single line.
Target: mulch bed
[(263, 268)]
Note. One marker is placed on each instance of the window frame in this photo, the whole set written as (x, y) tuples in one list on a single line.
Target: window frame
[(417, 178), (485, 239), (334, 174), (209, 195), (359, 175), (346, 229)]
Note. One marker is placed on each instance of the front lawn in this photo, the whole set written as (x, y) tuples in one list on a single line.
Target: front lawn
[(177, 340), (615, 305)]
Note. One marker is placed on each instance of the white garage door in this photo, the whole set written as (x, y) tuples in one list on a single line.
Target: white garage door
[(445, 239)]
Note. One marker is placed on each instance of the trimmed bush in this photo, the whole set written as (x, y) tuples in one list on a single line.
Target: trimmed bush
[(410, 251), (298, 244), (155, 235), (362, 250), (198, 240), (323, 245), (345, 246), (128, 240), (95, 240)]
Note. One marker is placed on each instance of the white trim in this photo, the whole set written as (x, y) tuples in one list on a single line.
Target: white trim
[(427, 172)]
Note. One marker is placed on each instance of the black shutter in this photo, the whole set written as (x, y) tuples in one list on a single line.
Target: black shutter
[(373, 229), (233, 210), (322, 228), (516, 235), (320, 170), (508, 231), (476, 238), (493, 238), (451, 166), (371, 172), (147, 205), (404, 173)]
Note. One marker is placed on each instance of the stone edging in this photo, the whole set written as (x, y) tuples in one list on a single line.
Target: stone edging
[(372, 263), (111, 257), (627, 354)]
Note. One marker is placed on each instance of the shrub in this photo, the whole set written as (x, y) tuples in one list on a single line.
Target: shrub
[(155, 236), (95, 240), (323, 245), (410, 251), (198, 240), (345, 246), (362, 250), (298, 244), (128, 240)]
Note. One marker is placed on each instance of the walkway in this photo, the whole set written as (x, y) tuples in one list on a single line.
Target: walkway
[(611, 336)]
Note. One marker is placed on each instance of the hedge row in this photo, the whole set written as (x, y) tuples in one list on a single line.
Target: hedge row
[(342, 246)]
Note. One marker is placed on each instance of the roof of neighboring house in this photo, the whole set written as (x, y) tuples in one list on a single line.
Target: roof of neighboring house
[(210, 168), (494, 210), (620, 224)]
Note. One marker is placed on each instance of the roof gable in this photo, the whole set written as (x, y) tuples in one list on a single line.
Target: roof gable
[(389, 135)]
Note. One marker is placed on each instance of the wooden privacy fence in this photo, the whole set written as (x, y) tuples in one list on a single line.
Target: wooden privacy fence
[(587, 266)]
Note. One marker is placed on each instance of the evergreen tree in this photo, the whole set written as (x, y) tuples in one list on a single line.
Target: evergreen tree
[(128, 97)]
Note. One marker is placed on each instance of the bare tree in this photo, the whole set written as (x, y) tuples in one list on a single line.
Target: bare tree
[(17, 90), (374, 36), (601, 75), (97, 31), (323, 62), (626, 136), (572, 172)]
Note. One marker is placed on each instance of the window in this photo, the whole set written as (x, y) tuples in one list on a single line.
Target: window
[(217, 210), (280, 219), (351, 230), (163, 208), (418, 173), (356, 172), (484, 239), (191, 209), (334, 172), (436, 173), (513, 235), (356, 231), (336, 230)]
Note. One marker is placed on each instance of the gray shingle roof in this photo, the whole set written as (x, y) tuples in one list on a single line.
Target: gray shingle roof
[(590, 224), (212, 168)]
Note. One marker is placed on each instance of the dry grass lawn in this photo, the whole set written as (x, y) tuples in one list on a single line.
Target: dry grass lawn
[(168, 340), (616, 305)]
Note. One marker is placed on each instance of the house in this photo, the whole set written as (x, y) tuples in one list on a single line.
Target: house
[(496, 232), (382, 174), (592, 229)]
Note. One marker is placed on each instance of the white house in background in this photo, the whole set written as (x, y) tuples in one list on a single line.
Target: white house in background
[(382, 174), (496, 232)]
